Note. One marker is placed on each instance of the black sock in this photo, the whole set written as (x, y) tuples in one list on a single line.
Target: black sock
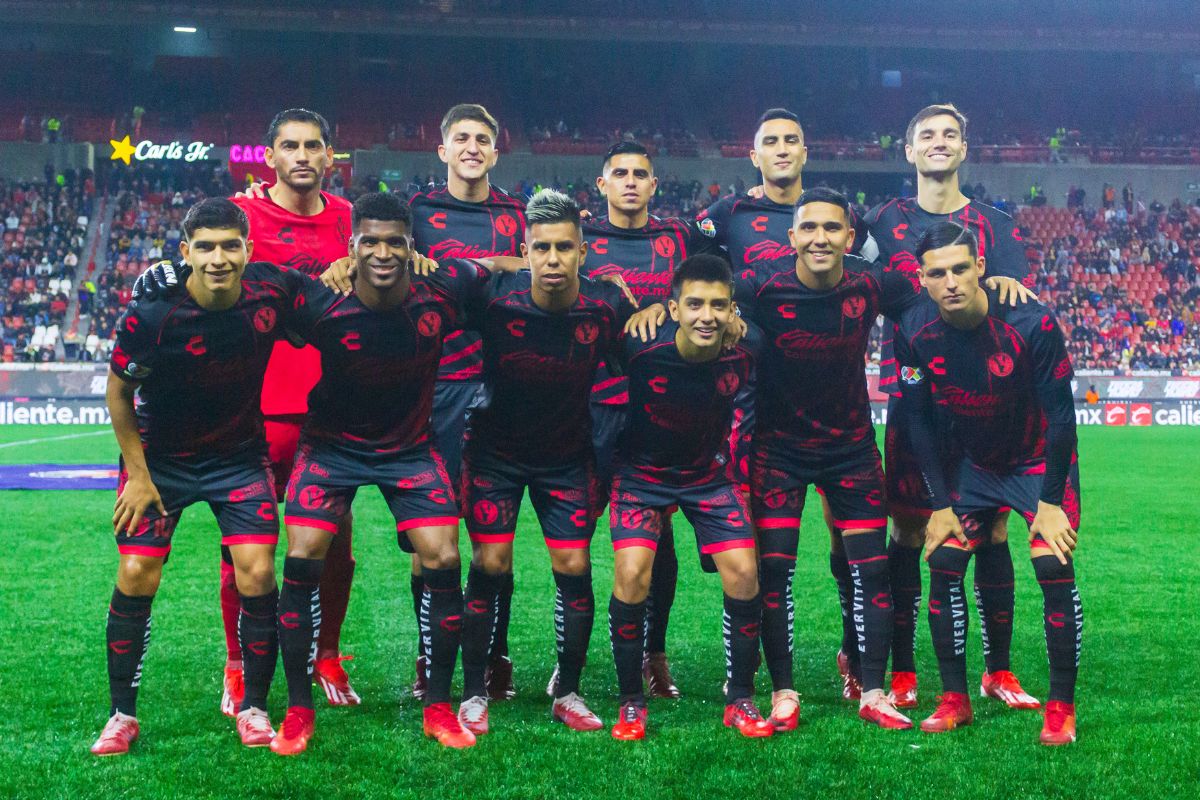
[(503, 615), (948, 616), (627, 630), (777, 565), (127, 636), (904, 564), (416, 584), (995, 599), (840, 570), (1063, 613), (441, 628), (479, 623), (741, 625), (866, 554), (258, 633), (299, 625), (574, 613), (663, 578)]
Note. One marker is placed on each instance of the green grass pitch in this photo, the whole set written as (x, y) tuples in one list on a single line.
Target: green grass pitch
[(1138, 562)]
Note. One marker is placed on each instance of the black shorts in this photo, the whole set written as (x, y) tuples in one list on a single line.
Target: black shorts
[(851, 482), (451, 402), (981, 492), (327, 475), (564, 498), (906, 494), (237, 486), (640, 502), (607, 423)]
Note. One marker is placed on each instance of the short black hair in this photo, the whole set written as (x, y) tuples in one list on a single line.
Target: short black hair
[(779, 113), (548, 207), (936, 110), (822, 194), (298, 115), (704, 267), (383, 206), (217, 213), (946, 234), (626, 148), (471, 111)]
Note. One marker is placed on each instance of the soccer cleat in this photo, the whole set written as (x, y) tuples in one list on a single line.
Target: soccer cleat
[(573, 712), (904, 690), (499, 679), (473, 714), (953, 711), (631, 722), (235, 690), (874, 708), (294, 733), (785, 710), (421, 681), (329, 674), (743, 715), (851, 686), (657, 672), (552, 684), (119, 732), (254, 726), (440, 723), (1004, 686), (1058, 726)]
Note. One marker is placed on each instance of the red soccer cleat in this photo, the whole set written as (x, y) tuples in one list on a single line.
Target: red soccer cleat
[(851, 686), (1058, 726), (119, 732), (421, 681), (473, 714), (631, 722), (953, 711), (573, 712), (743, 715), (329, 674), (234, 690), (254, 726), (904, 690), (785, 710), (294, 733), (1005, 687), (874, 708), (499, 679), (441, 724), (656, 671)]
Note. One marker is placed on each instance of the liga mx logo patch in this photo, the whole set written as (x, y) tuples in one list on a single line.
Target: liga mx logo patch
[(708, 227), (911, 375)]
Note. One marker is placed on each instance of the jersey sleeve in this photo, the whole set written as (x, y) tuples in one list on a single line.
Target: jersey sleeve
[(1052, 375), (899, 291), (310, 300), (745, 294), (864, 246), (1006, 259), (917, 407), (135, 354), (713, 222), (699, 242)]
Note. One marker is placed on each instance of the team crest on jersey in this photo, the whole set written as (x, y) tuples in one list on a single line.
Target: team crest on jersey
[(728, 383), (587, 332), (264, 320), (664, 246), (430, 324), (1000, 365), (854, 306), (708, 227), (911, 375), (506, 225)]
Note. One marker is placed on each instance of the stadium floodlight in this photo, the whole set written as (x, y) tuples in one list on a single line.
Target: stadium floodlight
[(185, 29)]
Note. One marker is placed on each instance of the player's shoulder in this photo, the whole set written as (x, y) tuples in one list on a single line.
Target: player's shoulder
[(597, 226), (776, 273), (601, 293), (917, 318), (888, 209), (991, 213), (859, 266), (432, 197), (501, 198), (751, 342), (263, 272), (336, 202), (1029, 319), (721, 207), (148, 312), (636, 348)]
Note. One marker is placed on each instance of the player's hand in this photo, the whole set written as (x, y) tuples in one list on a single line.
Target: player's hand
[(1011, 291), (1052, 525), (504, 263), (339, 276), (420, 265), (943, 524), (255, 191), (734, 331), (644, 324), (616, 280), (139, 494), (160, 278), (757, 192), (584, 214)]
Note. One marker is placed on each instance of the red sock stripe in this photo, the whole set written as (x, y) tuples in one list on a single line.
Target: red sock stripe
[(868, 560), (1057, 580), (788, 556), (946, 572)]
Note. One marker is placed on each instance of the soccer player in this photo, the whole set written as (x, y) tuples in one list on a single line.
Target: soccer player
[(996, 381), (936, 145), (644, 250), (673, 452), (368, 424), (469, 218), (544, 333), (196, 365)]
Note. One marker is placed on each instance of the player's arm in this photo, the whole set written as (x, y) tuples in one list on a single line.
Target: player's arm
[(713, 222), (701, 242), (645, 323), (139, 492), (1006, 256), (1052, 383)]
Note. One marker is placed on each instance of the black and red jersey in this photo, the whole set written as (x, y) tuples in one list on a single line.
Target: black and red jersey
[(1004, 387), (812, 385), (445, 227), (538, 369), (646, 259), (680, 412), (200, 373), (378, 368), (898, 225)]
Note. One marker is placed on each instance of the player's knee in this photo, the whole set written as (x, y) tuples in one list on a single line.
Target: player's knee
[(255, 578), (445, 556), (1000, 528), (493, 560), (908, 531), (739, 579), (776, 569), (139, 575), (949, 559), (570, 562), (1048, 569), (631, 580)]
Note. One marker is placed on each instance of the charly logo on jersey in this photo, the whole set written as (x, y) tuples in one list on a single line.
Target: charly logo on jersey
[(1000, 365), (911, 375), (664, 246), (587, 332), (854, 306), (506, 225), (430, 324), (264, 320)]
